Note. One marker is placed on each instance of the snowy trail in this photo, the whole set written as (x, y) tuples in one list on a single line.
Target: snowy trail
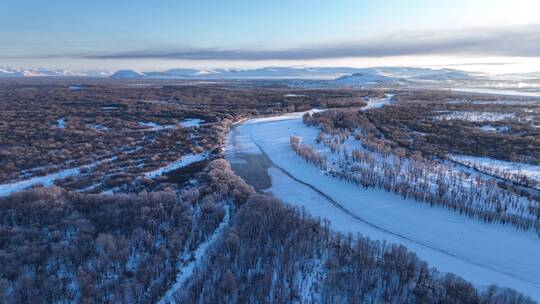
[(481, 253), (187, 270)]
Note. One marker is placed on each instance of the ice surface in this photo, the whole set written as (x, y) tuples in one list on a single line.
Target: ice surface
[(482, 253)]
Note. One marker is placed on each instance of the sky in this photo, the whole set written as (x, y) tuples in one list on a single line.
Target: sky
[(486, 35)]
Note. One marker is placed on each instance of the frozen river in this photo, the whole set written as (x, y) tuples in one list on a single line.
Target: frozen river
[(484, 254)]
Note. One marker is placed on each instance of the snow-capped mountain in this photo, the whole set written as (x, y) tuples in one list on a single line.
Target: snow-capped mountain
[(168, 74), (8, 72), (397, 72), (261, 73), (407, 75), (283, 73), (411, 73), (178, 73), (13, 72), (377, 74), (329, 75), (128, 74)]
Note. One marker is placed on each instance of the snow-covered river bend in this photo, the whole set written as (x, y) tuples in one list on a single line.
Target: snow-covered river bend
[(484, 254)]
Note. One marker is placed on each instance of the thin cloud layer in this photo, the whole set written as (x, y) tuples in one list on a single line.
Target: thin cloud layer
[(523, 41)]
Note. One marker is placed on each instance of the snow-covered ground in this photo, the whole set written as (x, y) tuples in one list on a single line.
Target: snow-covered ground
[(499, 167), (477, 116), (186, 270), (153, 126), (490, 128), (482, 253), (182, 162), (379, 103), (191, 122), (294, 95), (75, 88), (374, 170), (61, 123), (99, 127), (497, 92), (47, 180), (186, 123)]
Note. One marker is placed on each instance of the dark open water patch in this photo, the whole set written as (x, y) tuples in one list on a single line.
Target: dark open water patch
[(253, 169), (182, 175)]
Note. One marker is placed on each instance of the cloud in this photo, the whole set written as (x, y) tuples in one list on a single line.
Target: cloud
[(522, 41)]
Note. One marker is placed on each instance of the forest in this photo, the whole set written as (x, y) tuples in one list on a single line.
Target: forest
[(61, 246), (490, 126), (113, 133), (119, 218), (272, 253), (361, 156)]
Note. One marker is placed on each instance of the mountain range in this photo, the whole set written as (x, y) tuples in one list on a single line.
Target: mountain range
[(344, 76), (378, 74), (14, 72)]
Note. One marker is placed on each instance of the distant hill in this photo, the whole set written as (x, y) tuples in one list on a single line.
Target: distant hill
[(173, 73), (14, 72), (341, 75), (408, 75), (364, 79), (375, 75), (262, 73), (399, 72), (128, 74), (7, 72), (447, 75)]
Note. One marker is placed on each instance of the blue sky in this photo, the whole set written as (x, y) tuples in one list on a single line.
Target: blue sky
[(236, 33)]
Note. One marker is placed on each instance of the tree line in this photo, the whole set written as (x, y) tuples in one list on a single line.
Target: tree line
[(382, 164), (58, 246), (272, 253)]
